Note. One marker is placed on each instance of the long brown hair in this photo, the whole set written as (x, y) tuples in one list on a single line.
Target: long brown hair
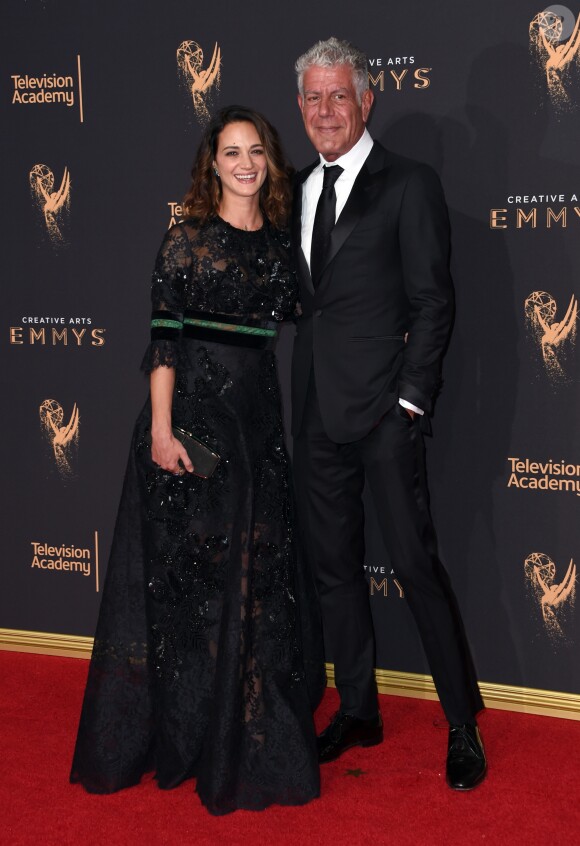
[(204, 196)]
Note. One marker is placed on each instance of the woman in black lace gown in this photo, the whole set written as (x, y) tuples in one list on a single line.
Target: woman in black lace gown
[(207, 660)]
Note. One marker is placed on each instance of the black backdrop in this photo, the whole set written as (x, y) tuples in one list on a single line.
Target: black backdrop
[(461, 86)]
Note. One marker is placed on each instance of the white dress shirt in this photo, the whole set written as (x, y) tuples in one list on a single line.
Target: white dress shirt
[(351, 163)]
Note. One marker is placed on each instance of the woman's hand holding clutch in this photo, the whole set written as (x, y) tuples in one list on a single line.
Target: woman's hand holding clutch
[(169, 454)]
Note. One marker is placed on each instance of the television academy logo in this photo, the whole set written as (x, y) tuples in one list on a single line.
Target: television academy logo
[(54, 205), (544, 475), (176, 214), (553, 337), (554, 598), (63, 439), (74, 558), (197, 80), (555, 42), (49, 89)]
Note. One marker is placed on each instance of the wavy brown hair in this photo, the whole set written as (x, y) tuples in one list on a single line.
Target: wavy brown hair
[(204, 196)]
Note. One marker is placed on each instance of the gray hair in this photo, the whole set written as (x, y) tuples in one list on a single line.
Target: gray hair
[(333, 51)]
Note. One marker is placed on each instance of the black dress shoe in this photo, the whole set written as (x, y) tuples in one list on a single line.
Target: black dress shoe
[(346, 731), (466, 764)]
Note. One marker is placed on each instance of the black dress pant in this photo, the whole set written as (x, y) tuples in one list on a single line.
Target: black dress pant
[(329, 483)]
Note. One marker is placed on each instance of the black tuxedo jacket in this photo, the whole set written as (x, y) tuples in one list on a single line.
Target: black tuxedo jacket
[(386, 278)]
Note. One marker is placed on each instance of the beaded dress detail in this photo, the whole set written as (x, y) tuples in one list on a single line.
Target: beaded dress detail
[(207, 660)]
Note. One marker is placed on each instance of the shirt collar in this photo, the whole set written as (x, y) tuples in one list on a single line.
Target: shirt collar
[(355, 157)]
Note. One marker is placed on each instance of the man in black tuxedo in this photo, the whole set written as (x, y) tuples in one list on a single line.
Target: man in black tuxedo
[(372, 240)]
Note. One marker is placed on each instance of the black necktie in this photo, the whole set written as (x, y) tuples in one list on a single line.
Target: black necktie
[(323, 222)]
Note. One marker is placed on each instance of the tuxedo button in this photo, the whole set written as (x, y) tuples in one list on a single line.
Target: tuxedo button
[(318, 312)]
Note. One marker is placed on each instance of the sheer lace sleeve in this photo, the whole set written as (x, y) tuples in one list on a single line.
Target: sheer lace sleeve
[(170, 276), (283, 281)]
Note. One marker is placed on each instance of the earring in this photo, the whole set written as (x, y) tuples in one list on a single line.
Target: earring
[(216, 171)]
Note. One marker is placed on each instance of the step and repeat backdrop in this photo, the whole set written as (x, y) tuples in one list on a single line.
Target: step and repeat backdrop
[(102, 106)]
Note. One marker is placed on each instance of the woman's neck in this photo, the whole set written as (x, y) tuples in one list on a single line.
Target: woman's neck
[(243, 215)]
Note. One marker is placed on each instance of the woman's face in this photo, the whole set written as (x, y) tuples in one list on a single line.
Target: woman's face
[(240, 160)]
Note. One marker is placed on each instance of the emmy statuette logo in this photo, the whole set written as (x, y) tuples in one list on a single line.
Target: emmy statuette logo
[(198, 80), (53, 204), (554, 337), (555, 40), (554, 598), (63, 437)]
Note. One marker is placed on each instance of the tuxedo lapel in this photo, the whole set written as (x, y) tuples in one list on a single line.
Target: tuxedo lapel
[(302, 264), (350, 215), (304, 270), (365, 188)]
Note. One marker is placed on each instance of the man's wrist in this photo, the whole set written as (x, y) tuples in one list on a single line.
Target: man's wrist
[(409, 405)]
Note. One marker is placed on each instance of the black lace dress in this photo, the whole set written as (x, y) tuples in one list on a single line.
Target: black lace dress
[(207, 660)]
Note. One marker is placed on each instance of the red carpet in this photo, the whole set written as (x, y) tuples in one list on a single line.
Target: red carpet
[(391, 794)]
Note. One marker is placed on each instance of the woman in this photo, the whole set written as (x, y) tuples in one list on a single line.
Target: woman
[(198, 667)]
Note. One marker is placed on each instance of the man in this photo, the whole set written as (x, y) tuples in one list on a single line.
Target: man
[(372, 237)]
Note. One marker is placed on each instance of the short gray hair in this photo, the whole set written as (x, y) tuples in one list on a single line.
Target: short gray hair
[(333, 51)]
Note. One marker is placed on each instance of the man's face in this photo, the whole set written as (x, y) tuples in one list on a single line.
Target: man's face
[(333, 118)]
